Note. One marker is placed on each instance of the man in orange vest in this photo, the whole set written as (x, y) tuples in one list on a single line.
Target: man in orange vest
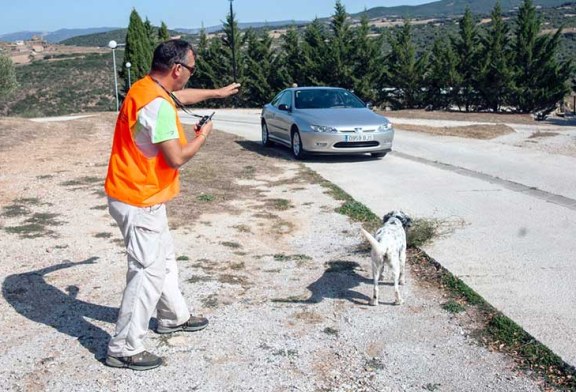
[(148, 148)]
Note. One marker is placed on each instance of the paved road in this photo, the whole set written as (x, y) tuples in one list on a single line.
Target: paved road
[(510, 213)]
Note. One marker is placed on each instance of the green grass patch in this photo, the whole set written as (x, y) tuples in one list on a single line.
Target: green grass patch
[(422, 232), (279, 204), (182, 258), (453, 307), (210, 301), (199, 278), (86, 180), (31, 230), (242, 228), (44, 219), (330, 331), (229, 244), (15, 210), (358, 212), (458, 288), (103, 235), (31, 201), (206, 198)]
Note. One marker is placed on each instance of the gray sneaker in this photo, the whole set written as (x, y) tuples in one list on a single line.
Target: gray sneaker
[(193, 324), (141, 361)]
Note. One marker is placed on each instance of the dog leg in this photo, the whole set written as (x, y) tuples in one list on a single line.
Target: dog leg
[(399, 300), (403, 266), (376, 272)]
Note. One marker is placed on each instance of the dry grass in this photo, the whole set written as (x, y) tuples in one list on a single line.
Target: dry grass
[(482, 131)]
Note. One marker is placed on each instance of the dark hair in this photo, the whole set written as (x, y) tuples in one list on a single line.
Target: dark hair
[(171, 52)]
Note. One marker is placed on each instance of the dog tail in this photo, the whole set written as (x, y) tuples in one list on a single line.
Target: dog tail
[(375, 244)]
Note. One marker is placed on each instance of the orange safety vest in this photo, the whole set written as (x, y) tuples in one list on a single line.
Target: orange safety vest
[(132, 177)]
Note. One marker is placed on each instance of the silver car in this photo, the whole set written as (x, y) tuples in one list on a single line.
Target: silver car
[(324, 120)]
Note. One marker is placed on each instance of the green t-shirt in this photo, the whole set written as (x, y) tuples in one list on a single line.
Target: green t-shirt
[(156, 123)]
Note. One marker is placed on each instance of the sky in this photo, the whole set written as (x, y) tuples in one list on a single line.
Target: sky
[(52, 15)]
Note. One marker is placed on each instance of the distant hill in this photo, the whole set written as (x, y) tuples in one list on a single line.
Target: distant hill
[(55, 36), (450, 8), (254, 25), (100, 36)]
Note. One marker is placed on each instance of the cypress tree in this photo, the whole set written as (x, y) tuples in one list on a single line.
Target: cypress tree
[(405, 72), (368, 62), (442, 75), (233, 41), (138, 49), (163, 34), (541, 80), (291, 54), (261, 66), (467, 48), (8, 82), (314, 54), (152, 36), (338, 66), (495, 81)]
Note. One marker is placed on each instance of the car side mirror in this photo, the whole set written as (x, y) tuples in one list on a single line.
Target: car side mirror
[(284, 107), (370, 106)]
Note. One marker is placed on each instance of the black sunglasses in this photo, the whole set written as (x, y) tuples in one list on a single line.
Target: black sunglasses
[(191, 69)]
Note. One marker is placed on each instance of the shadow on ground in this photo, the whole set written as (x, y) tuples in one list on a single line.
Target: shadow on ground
[(281, 152), (337, 282), (33, 297)]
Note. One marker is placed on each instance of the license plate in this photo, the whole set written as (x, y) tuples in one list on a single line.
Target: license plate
[(359, 138)]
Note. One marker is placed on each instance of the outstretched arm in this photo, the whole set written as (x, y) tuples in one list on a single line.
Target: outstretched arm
[(189, 96)]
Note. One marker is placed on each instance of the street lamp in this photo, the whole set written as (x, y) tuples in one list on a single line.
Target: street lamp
[(128, 65), (113, 45)]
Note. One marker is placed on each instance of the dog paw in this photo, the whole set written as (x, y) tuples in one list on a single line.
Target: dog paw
[(399, 302), (373, 302)]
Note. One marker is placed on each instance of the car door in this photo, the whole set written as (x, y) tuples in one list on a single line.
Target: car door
[(272, 116), (284, 117)]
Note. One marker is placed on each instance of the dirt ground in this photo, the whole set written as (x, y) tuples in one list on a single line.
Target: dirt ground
[(282, 277)]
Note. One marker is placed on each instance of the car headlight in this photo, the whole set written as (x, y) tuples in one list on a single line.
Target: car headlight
[(385, 127), (322, 128)]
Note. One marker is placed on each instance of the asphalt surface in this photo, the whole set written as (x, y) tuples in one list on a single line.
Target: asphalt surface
[(509, 214)]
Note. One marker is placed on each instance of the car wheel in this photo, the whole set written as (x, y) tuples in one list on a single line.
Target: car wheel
[(297, 149), (265, 135), (378, 154)]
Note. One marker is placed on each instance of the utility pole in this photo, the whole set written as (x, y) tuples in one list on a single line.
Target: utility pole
[(232, 45)]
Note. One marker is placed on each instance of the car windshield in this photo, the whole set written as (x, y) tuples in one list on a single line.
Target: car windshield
[(326, 99)]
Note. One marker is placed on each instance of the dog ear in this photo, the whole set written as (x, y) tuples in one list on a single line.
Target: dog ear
[(405, 219), (386, 217)]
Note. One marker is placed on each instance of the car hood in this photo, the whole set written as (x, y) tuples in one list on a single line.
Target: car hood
[(341, 117)]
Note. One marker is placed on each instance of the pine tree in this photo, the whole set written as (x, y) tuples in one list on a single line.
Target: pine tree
[(442, 75), (138, 49), (496, 77), (152, 36), (314, 54), (8, 82), (338, 66), (367, 62), (261, 70), (405, 73), (541, 80), (163, 34), (290, 56), (233, 41), (467, 48)]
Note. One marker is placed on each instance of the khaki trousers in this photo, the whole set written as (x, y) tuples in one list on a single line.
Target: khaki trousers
[(151, 280)]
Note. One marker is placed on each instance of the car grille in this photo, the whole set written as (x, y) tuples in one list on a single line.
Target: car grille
[(356, 144), (364, 130)]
